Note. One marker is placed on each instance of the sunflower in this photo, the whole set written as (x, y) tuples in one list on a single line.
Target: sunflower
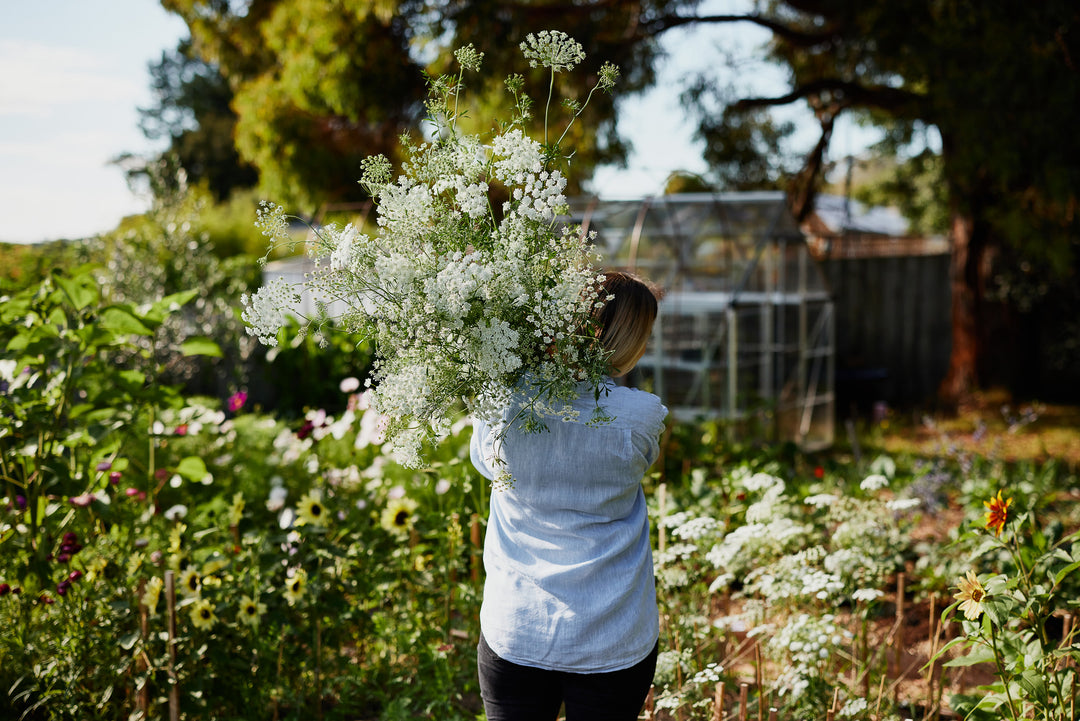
[(202, 614), (250, 611), (997, 513), (295, 586), (397, 517), (311, 511), (190, 582), (971, 596)]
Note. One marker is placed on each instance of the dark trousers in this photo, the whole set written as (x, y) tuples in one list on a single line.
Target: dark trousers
[(521, 693)]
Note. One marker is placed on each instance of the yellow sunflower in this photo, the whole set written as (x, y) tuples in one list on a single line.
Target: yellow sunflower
[(190, 582), (250, 611), (397, 517), (295, 586), (311, 511), (971, 596), (202, 614)]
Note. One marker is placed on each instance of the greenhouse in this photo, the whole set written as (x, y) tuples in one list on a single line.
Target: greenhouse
[(746, 326)]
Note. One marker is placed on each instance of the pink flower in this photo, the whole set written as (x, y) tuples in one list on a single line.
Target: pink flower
[(237, 401), (82, 501)]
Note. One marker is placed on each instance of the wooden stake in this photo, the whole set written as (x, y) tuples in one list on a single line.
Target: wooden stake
[(474, 536), (898, 639), (174, 686), (772, 713), (760, 677), (880, 691), (143, 691), (835, 701), (661, 514), (649, 704), (718, 703), (744, 701)]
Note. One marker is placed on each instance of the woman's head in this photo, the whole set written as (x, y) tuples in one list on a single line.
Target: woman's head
[(624, 323)]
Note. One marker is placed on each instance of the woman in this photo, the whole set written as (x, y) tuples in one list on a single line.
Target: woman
[(569, 612)]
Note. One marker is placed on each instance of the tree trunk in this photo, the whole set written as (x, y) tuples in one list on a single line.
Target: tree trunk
[(962, 377)]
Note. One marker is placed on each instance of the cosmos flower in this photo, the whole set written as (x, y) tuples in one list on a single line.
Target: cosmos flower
[(997, 513), (237, 401), (970, 595), (202, 614)]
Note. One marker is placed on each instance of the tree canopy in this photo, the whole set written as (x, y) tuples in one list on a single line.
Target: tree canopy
[(319, 84)]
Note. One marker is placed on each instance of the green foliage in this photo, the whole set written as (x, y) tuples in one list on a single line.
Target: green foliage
[(193, 111), (1009, 618), (168, 250), (66, 405), (311, 571)]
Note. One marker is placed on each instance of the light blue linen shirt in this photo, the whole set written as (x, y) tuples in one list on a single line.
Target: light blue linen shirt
[(567, 555)]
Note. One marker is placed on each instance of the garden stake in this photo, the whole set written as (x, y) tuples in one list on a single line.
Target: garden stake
[(474, 536), (649, 703), (835, 701), (718, 703), (744, 702), (898, 637), (174, 688), (933, 652), (759, 675), (661, 504), (772, 713), (880, 691)]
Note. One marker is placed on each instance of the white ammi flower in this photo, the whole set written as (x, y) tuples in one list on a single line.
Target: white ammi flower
[(462, 301)]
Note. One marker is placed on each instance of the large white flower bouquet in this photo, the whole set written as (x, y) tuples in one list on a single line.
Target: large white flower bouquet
[(466, 303)]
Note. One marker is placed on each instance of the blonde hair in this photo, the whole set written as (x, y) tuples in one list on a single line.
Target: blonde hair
[(624, 323)]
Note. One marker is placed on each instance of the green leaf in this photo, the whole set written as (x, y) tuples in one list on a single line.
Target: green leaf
[(978, 654), (1060, 575), (162, 308), (1033, 682), (128, 640), (200, 346), (79, 290), (192, 468), (123, 321)]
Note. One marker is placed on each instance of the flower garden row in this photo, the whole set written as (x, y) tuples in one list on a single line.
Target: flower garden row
[(166, 552)]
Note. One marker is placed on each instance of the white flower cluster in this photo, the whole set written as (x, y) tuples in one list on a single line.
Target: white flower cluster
[(809, 643), (462, 302)]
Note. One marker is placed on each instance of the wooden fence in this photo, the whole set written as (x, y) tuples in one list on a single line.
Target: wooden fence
[(893, 333)]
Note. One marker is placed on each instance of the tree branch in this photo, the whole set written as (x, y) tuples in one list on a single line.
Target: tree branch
[(882, 97), (791, 34)]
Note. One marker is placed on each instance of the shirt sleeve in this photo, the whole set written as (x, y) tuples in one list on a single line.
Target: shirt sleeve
[(480, 449)]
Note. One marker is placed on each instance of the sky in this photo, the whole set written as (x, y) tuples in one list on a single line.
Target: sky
[(73, 74)]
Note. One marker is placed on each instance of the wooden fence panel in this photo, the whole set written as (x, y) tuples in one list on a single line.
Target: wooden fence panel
[(893, 333)]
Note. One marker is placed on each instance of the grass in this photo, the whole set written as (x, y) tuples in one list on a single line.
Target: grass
[(990, 425)]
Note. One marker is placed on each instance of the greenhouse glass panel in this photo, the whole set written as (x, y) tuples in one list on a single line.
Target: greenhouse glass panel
[(746, 326)]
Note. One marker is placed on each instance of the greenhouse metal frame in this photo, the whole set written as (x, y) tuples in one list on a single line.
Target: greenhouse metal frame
[(746, 329)]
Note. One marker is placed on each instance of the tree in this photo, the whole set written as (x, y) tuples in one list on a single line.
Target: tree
[(193, 111), (320, 84), (996, 80)]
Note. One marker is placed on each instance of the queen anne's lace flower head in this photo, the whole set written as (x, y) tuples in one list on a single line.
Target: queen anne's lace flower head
[(463, 301), (552, 49)]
